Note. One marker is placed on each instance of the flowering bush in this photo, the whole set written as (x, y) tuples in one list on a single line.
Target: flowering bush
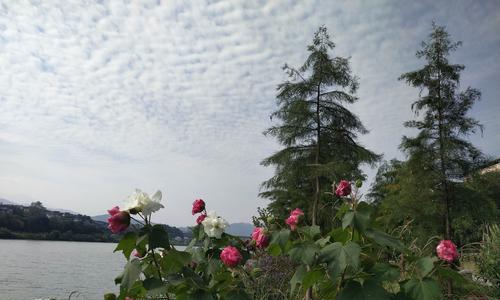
[(354, 261)]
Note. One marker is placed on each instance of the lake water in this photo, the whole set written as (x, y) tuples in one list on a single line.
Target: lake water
[(53, 269)]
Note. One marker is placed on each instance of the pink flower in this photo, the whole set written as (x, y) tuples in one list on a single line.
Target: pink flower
[(230, 256), (294, 217), (119, 220), (136, 254), (201, 218), (447, 250), (343, 189), (198, 206), (261, 240), (114, 211)]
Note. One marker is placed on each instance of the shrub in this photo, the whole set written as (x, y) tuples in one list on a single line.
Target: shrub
[(489, 255), (284, 260)]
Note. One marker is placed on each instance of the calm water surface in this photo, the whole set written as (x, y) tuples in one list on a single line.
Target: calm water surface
[(43, 269)]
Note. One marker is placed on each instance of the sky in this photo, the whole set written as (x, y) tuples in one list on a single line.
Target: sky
[(98, 98)]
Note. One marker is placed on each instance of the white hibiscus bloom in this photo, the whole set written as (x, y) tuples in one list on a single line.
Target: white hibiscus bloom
[(141, 202), (214, 225), (151, 205)]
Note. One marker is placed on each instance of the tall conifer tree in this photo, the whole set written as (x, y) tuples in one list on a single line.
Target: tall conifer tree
[(439, 146), (317, 131)]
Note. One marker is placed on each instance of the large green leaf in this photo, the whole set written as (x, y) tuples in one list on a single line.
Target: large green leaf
[(422, 289), (127, 244), (424, 266), (155, 287), (384, 239), (451, 274), (197, 295), (310, 231), (280, 237), (158, 237), (370, 290), (130, 274), (297, 278), (385, 272), (339, 256), (174, 260), (358, 219), (311, 278), (305, 252), (238, 295), (340, 235)]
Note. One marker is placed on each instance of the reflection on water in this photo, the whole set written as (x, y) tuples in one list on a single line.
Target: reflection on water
[(44, 269)]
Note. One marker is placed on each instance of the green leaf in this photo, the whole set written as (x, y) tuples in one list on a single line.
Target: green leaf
[(358, 219), (422, 289), (451, 274), (197, 295), (297, 278), (340, 235), (305, 252), (155, 287), (159, 237), (384, 239), (311, 278), (424, 266), (310, 231), (130, 274), (339, 256), (127, 244), (274, 249), (370, 290), (323, 241), (238, 295), (280, 237), (173, 260), (110, 296), (385, 272)]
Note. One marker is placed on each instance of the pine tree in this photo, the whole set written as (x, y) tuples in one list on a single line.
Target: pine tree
[(318, 133), (439, 146)]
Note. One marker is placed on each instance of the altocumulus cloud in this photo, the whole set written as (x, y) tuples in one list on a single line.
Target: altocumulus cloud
[(100, 97)]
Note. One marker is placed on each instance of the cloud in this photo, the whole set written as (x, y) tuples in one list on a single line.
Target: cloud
[(100, 97)]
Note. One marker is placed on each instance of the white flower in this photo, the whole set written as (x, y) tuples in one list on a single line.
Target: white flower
[(214, 225), (141, 202)]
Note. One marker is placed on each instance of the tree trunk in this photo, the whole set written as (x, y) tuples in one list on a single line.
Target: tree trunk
[(316, 161)]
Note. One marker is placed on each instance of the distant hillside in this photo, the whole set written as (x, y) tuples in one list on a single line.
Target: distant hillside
[(240, 229), (39, 223), (100, 218), (7, 202), (172, 230)]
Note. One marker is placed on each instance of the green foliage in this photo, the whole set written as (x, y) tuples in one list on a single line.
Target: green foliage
[(404, 196), (318, 134), (346, 263), (439, 147), (489, 256), (127, 244), (370, 290), (36, 222), (422, 289)]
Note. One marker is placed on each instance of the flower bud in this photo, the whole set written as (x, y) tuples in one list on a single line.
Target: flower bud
[(359, 183)]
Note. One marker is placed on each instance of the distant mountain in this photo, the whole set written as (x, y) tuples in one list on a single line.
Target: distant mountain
[(172, 230), (64, 210), (100, 218), (240, 229), (7, 202), (104, 218)]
